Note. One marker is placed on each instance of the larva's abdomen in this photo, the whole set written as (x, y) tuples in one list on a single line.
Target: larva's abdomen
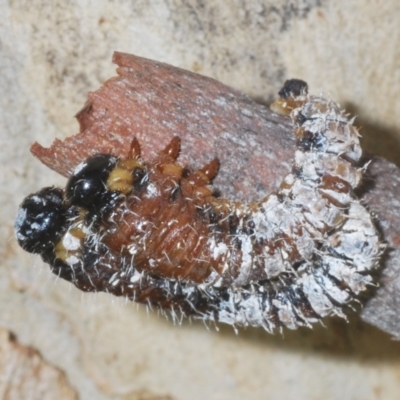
[(159, 237)]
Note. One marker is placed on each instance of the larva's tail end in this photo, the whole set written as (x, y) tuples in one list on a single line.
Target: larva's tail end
[(291, 96)]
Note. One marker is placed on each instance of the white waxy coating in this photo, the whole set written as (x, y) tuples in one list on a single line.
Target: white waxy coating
[(71, 242)]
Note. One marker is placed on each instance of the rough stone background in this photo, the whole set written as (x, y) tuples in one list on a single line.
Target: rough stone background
[(52, 54)]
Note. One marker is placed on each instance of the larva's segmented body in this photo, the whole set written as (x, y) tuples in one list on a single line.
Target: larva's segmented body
[(146, 232)]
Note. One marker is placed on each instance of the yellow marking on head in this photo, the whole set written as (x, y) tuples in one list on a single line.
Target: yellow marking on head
[(121, 177), (120, 180)]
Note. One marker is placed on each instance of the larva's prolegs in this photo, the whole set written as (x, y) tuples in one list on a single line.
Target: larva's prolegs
[(153, 233)]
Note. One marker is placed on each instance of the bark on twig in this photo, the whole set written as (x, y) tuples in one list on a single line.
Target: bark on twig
[(155, 102)]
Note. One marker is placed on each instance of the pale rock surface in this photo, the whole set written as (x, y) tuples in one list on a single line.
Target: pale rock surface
[(53, 53), (25, 375)]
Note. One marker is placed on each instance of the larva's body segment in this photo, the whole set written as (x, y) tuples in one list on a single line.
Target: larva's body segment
[(161, 238)]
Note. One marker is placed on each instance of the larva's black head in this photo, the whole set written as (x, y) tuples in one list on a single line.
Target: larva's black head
[(88, 184), (40, 220), (293, 88)]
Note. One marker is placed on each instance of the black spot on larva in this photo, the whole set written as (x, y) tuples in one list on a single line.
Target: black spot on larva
[(139, 179), (300, 119), (196, 300), (260, 241), (300, 301), (293, 88), (186, 172), (246, 295), (214, 217), (175, 194), (249, 226), (233, 224), (216, 192), (204, 213), (281, 198), (305, 143), (335, 253), (311, 141), (236, 242), (297, 264), (223, 294)]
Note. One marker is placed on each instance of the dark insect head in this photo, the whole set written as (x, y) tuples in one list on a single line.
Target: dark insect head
[(293, 88), (41, 220), (87, 186)]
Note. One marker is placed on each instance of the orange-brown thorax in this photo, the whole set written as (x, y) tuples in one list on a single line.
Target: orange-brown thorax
[(161, 227)]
